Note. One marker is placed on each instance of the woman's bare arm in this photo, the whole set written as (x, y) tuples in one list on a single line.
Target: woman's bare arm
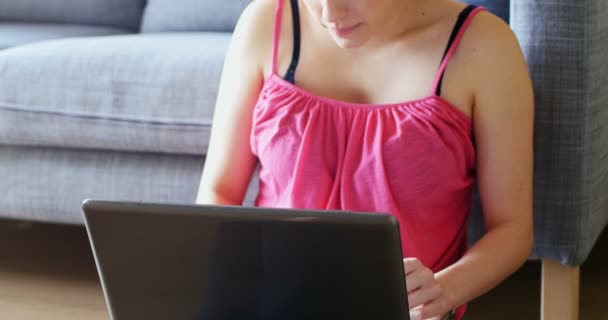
[(503, 119), (230, 163)]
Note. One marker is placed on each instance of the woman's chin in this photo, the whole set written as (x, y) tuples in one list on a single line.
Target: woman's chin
[(349, 43)]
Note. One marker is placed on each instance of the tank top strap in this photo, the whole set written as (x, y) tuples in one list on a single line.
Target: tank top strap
[(463, 22), (290, 75), (295, 58), (278, 19)]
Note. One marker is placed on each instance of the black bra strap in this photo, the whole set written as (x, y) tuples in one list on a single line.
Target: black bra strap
[(461, 19), (295, 10)]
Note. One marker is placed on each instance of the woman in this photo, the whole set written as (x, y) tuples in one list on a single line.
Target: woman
[(397, 106)]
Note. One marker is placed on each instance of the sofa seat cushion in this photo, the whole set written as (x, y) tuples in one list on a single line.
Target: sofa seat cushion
[(152, 92), (18, 33), (49, 184)]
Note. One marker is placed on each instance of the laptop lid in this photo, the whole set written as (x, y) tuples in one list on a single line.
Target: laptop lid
[(165, 261)]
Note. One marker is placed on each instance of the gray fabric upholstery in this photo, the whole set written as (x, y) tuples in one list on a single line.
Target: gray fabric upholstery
[(116, 13), (152, 92), (18, 33), (566, 45), (56, 181), (497, 7), (49, 184), (156, 93), (215, 15), (192, 15)]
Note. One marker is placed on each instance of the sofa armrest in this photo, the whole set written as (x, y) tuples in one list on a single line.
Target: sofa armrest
[(565, 43)]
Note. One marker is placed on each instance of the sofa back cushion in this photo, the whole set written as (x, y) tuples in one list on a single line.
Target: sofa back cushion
[(124, 92), (192, 15), (125, 14)]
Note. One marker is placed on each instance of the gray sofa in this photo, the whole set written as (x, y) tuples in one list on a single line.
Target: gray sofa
[(106, 99), (113, 99)]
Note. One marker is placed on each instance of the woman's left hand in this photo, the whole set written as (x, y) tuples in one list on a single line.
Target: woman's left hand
[(424, 293)]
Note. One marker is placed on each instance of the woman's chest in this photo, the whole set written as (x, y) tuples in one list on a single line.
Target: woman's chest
[(310, 139), (385, 80)]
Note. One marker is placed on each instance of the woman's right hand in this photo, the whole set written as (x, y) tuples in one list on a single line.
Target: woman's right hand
[(424, 292)]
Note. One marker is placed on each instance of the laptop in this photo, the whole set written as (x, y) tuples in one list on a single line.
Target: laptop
[(173, 261)]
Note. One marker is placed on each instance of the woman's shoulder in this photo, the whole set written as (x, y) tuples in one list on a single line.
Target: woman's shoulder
[(488, 45), (254, 32), (491, 29), (488, 36), (486, 33), (255, 26), (494, 62), (259, 10), (485, 59), (257, 20)]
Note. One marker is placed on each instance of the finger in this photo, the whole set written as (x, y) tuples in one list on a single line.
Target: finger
[(424, 295), (419, 279), (435, 308), (411, 264), (416, 315)]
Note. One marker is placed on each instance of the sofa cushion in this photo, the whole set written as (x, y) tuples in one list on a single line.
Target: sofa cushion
[(152, 92), (18, 33), (116, 13), (192, 15), (49, 184), (500, 8)]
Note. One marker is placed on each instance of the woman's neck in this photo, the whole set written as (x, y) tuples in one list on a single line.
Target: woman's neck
[(404, 19)]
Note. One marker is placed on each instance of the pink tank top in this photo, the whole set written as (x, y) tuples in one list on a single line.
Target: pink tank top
[(414, 159)]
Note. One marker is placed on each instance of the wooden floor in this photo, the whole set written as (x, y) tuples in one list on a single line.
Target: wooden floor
[(47, 273)]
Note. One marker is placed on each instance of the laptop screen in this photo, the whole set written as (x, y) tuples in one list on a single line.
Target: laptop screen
[(212, 267)]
